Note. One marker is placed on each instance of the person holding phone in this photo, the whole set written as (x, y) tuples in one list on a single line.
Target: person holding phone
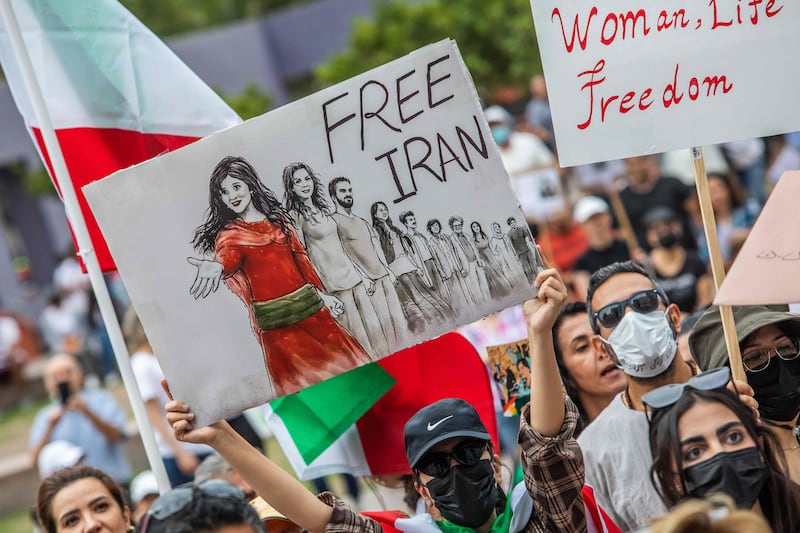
[(90, 419)]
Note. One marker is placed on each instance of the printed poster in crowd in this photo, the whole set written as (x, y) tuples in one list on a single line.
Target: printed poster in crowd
[(324, 235), (510, 366), (628, 78)]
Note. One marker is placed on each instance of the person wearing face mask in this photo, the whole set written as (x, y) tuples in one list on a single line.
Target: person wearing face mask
[(680, 272), (451, 457), (704, 441), (520, 151), (636, 325), (768, 341)]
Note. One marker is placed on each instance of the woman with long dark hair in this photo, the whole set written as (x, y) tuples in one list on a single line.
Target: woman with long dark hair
[(704, 440), (421, 307), (257, 252), (310, 212), (499, 284)]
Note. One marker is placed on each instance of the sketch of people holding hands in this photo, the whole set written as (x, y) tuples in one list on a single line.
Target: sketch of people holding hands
[(470, 265), (318, 231), (501, 246), (423, 254), (499, 285), (422, 308), (527, 254), (260, 258), (361, 243), (447, 266)]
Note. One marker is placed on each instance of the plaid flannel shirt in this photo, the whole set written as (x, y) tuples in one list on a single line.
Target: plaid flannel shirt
[(554, 477)]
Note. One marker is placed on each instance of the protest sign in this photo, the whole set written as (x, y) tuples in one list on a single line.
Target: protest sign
[(769, 260), (319, 237), (628, 78), (510, 365)]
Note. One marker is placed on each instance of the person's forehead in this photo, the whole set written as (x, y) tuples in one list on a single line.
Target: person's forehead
[(619, 287), (573, 326), (61, 365), (704, 418)]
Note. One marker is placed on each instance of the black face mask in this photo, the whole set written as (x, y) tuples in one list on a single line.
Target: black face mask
[(466, 495), (740, 474), (669, 240), (777, 389)]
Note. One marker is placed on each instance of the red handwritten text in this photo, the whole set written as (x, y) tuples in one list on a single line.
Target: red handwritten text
[(722, 20)]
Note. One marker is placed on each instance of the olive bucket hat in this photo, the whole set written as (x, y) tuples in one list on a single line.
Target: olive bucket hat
[(707, 340)]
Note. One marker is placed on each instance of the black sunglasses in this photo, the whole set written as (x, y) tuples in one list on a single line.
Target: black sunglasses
[(437, 464), (667, 395), (177, 499), (609, 316)]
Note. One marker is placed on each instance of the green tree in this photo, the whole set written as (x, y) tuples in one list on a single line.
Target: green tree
[(249, 103), (496, 39)]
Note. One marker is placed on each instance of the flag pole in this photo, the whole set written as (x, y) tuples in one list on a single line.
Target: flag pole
[(85, 249), (717, 267)]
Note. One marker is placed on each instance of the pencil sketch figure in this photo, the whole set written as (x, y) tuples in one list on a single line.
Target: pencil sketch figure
[(247, 241), (447, 267), (361, 243), (470, 266), (499, 284), (423, 255), (501, 246), (526, 251), (423, 309), (311, 214)]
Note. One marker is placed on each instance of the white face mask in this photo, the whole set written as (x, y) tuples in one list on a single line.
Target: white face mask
[(643, 345)]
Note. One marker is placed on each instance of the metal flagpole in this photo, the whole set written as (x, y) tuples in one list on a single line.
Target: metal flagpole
[(84, 244)]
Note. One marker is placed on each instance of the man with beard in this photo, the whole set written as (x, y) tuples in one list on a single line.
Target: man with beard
[(361, 243), (637, 326)]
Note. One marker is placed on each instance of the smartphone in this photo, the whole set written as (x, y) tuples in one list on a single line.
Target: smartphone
[(63, 391)]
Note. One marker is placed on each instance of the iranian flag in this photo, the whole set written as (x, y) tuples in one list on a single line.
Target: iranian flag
[(445, 367), (115, 93)]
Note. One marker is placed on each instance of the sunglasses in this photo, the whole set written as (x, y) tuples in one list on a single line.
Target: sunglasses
[(177, 499), (609, 316), (757, 360), (437, 464), (667, 395)]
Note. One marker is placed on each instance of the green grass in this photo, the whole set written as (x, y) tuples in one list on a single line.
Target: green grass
[(16, 522)]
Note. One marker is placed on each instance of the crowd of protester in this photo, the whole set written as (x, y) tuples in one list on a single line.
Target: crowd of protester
[(635, 422)]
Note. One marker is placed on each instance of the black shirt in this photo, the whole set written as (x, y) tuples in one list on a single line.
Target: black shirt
[(682, 287), (667, 192), (593, 260)]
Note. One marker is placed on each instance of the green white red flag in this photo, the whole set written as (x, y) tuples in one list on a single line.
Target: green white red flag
[(115, 93)]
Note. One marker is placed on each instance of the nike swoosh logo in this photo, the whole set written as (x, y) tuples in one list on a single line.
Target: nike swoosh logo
[(431, 427)]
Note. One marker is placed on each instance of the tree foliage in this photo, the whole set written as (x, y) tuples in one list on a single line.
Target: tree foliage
[(168, 17), (249, 103), (496, 39)]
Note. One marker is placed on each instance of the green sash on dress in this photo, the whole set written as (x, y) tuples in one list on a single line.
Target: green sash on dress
[(288, 309)]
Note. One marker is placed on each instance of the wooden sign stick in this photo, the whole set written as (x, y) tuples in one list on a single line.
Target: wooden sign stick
[(717, 266)]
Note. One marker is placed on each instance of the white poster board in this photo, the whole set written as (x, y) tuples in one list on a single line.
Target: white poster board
[(629, 78), (242, 252)]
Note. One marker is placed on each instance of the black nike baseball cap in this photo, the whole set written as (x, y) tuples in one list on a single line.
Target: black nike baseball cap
[(442, 420)]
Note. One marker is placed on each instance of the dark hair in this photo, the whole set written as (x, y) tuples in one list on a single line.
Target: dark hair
[(569, 309), (602, 275), (333, 183), (387, 232), (780, 497), (431, 222), (55, 482), (290, 200), (404, 215), (206, 512), (510, 220), (219, 215), (477, 234), (524, 362), (735, 191), (453, 219)]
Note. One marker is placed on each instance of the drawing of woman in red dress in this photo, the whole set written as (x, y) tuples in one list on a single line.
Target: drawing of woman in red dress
[(259, 257)]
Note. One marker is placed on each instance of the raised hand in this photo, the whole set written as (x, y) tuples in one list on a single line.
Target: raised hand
[(542, 311), (207, 279), (180, 419)]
